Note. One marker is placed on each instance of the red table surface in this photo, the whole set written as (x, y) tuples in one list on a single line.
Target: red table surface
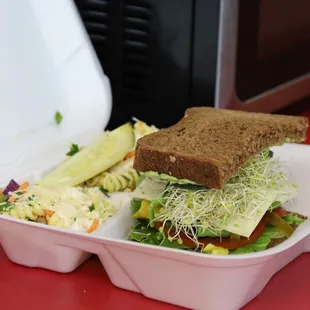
[(89, 288)]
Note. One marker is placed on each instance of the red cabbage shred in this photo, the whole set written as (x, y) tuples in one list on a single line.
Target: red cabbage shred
[(11, 187)]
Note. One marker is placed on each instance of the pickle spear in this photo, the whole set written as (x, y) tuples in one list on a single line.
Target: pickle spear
[(104, 153)]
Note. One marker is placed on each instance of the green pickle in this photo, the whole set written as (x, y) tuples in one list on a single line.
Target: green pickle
[(282, 225), (103, 154)]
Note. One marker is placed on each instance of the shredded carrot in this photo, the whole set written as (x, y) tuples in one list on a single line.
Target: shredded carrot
[(93, 226), (130, 154), (49, 212), (24, 186), (12, 199)]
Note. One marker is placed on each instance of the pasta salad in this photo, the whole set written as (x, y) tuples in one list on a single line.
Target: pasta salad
[(77, 208)]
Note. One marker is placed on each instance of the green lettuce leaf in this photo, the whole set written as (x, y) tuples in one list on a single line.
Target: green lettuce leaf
[(205, 232), (163, 176), (270, 232), (149, 235), (259, 245), (135, 205), (293, 219)]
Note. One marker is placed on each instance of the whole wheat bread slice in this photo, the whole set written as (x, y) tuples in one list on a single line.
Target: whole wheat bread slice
[(209, 145)]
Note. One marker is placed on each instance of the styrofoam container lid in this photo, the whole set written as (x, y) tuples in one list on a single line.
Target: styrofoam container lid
[(47, 65)]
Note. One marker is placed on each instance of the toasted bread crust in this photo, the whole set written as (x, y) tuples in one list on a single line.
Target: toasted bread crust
[(209, 145)]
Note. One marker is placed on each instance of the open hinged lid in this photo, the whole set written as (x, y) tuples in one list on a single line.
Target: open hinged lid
[(47, 65)]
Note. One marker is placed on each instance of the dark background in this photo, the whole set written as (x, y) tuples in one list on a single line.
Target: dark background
[(161, 55), (156, 54)]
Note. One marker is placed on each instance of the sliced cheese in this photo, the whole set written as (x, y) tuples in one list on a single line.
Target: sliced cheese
[(245, 227)]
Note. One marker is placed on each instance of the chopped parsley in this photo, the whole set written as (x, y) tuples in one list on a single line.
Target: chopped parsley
[(6, 206), (58, 117), (73, 149), (91, 208), (104, 191), (3, 198), (31, 198)]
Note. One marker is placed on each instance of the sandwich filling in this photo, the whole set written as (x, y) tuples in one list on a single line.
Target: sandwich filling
[(245, 216)]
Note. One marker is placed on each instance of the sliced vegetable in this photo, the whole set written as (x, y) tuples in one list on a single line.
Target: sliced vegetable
[(277, 221), (143, 212), (280, 211), (215, 250), (135, 205), (205, 232), (104, 153), (148, 235), (260, 244), (276, 204), (131, 154), (23, 186), (294, 219), (12, 199), (104, 191), (49, 212), (234, 237), (11, 187), (93, 226), (2, 198), (74, 148), (6, 206), (220, 242)]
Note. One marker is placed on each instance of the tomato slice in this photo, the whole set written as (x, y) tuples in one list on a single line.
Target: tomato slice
[(279, 211), (226, 243)]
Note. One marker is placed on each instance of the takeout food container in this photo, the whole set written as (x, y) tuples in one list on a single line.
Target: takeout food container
[(59, 71)]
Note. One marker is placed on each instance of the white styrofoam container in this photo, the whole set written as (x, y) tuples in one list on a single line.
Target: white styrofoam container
[(47, 65), (199, 281)]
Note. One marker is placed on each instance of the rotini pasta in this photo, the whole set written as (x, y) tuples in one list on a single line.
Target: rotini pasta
[(119, 178), (26, 212), (115, 182), (123, 176)]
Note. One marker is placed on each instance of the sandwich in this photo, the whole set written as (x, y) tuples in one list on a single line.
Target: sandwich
[(210, 183)]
